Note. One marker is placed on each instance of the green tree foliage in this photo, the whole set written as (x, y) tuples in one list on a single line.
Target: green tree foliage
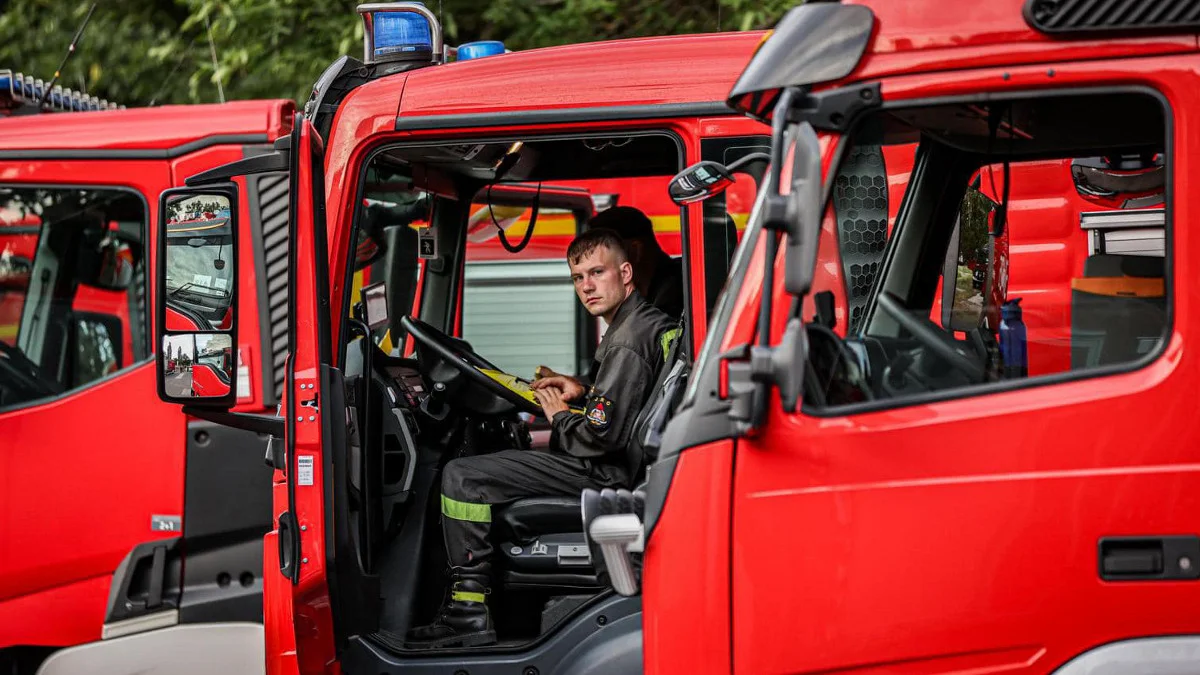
[(140, 52)]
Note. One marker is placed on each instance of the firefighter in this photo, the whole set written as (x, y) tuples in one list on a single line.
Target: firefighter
[(657, 276), (588, 450)]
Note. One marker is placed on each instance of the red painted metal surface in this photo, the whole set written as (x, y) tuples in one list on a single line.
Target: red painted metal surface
[(961, 536), (687, 569), (676, 69), (158, 128), (76, 499), (57, 595), (312, 622)]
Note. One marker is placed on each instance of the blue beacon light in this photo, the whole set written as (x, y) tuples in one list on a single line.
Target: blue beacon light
[(400, 31), (478, 50)]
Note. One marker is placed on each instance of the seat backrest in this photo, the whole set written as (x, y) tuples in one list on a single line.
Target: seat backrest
[(669, 384), (1118, 309)]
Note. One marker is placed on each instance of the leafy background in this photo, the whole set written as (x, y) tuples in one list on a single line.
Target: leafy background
[(154, 52)]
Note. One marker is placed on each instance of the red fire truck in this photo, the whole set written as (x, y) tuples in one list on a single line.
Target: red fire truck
[(867, 325), (98, 520)]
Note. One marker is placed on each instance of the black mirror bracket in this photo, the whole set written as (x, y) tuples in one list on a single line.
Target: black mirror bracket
[(835, 109)]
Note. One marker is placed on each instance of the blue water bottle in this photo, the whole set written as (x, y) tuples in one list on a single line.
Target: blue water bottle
[(1013, 350)]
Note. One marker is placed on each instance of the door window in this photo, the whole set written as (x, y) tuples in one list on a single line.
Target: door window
[(72, 288), (998, 271)]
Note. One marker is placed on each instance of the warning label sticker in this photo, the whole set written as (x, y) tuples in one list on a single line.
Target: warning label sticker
[(304, 470)]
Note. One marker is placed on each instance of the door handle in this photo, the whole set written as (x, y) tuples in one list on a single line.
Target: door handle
[(1170, 558)]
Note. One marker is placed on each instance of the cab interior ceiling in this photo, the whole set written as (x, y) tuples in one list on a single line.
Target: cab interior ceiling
[(1034, 128), (535, 160)]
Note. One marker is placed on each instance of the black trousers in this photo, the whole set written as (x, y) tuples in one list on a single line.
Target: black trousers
[(473, 486)]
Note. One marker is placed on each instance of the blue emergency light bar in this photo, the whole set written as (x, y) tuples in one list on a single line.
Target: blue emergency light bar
[(400, 31), (23, 92)]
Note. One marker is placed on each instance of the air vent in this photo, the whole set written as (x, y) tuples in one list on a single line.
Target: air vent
[(273, 215), (860, 203), (1088, 16)]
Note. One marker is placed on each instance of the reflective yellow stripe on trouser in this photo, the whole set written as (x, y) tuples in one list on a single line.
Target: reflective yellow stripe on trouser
[(463, 596), (666, 339), (475, 513)]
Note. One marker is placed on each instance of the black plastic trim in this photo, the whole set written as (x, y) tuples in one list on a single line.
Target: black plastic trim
[(227, 510), (272, 162), (231, 192), (137, 591), (266, 376), (614, 113), (837, 109), (161, 153), (1127, 17), (606, 639)]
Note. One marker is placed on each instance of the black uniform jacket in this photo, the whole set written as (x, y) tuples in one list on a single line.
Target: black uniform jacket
[(622, 376)]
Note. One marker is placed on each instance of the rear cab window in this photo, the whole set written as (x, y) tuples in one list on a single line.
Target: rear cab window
[(72, 288)]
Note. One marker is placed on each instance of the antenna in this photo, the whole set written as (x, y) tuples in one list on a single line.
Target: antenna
[(718, 16), (161, 87), (70, 51), (212, 48)]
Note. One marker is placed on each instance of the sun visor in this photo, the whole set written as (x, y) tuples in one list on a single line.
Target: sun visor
[(811, 44)]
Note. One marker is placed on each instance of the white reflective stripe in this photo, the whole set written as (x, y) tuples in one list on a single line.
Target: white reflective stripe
[(243, 378)]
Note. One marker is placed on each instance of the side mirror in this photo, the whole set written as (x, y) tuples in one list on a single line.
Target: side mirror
[(975, 273), (706, 179), (803, 212), (197, 295), (1121, 182)]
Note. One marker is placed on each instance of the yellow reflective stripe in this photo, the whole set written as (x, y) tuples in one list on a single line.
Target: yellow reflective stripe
[(666, 339), (475, 513), (463, 596)]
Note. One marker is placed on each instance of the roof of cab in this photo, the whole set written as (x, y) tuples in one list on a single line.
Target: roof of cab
[(633, 72), (166, 130)]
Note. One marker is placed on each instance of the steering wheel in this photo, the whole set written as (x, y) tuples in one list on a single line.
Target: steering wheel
[(930, 335), (470, 365), (28, 371)]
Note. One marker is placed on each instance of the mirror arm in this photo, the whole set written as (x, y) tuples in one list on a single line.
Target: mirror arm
[(272, 162), (743, 161), (261, 424)]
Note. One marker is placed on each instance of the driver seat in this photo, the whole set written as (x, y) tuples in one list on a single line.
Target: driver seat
[(541, 539)]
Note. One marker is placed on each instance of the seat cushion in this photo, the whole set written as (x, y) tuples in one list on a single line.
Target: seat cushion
[(527, 519)]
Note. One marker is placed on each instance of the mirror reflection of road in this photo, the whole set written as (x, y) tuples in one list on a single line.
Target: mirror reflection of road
[(179, 384)]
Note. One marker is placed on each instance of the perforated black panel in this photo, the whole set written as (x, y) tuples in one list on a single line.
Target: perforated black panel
[(860, 204)]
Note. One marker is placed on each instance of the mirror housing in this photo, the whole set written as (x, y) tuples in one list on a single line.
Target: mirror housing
[(196, 295), (699, 182), (706, 179), (1121, 181), (802, 212)]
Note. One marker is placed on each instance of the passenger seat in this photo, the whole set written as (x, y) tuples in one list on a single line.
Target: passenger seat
[(1118, 309)]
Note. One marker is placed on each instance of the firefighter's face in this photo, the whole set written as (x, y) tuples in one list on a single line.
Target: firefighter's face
[(602, 281)]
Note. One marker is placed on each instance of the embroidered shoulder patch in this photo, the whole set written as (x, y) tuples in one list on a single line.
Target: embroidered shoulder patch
[(597, 412)]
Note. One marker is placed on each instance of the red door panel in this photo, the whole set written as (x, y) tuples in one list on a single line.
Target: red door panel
[(78, 485)]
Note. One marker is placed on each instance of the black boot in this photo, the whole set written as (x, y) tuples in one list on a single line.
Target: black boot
[(463, 620)]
